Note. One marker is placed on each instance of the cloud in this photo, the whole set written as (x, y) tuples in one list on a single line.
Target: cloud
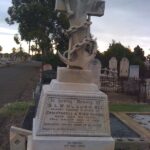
[(4, 4), (7, 42), (7, 31), (126, 21), (104, 39)]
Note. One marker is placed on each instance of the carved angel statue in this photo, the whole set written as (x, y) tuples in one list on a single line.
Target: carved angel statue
[(82, 47)]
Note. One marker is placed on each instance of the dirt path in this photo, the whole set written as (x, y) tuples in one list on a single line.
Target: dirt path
[(17, 82)]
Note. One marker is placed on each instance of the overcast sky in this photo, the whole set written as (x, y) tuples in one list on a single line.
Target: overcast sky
[(125, 21)]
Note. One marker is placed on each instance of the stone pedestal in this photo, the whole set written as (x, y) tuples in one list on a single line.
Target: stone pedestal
[(72, 143), (72, 115)]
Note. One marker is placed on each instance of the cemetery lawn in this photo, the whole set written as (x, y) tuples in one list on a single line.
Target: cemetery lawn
[(129, 107), (11, 114)]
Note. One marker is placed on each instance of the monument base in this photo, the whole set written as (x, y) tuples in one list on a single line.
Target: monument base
[(70, 143), (72, 115)]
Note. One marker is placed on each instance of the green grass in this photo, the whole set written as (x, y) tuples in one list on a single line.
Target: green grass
[(129, 108), (15, 108)]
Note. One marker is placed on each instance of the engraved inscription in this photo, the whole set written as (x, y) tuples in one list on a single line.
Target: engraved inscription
[(75, 115), (74, 146)]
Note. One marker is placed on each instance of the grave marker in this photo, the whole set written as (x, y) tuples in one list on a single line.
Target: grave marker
[(113, 64), (72, 113), (134, 71), (124, 67), (95, 67)]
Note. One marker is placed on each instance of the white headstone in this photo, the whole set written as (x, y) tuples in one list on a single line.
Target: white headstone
[(47, 67), (134, 71), (72, 113), (124, 67), (148, 88), (95, 67), (147, 63), (113, 64)]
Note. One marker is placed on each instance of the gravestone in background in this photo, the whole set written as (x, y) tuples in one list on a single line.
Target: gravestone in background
[(147, 64), (95, 67), (134, 71), (148, 89), (105, 72), (113, 64), (47, 67), (72, 113), (124, 67)]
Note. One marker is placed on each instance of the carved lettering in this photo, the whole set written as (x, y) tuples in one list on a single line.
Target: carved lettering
[(75, 115)]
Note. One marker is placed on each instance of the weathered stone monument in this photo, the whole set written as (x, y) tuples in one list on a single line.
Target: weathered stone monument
[(72, 113), (82, 48), (124, 67)]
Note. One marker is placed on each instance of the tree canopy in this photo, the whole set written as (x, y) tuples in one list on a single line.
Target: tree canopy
[(116, 49), (16, 39), (39, 22), (148, 58), (138, 52), (1, 48)]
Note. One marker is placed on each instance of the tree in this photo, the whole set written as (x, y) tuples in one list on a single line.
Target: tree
[(14, 50), (33, 49), (18, 41), (139, 53), (38, 21), (148, 58), (1, 48), (116, 49)]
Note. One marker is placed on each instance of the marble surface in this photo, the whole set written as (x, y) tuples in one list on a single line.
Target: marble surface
[(74, 75), (73, 109), (82, 47), (72, 143), (72, 116), (143, 120), (124, 67), (113, 64), (95, 66), (18, 138)]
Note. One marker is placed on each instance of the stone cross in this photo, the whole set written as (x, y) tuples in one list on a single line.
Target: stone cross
[(86, 7), (82, 48)]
